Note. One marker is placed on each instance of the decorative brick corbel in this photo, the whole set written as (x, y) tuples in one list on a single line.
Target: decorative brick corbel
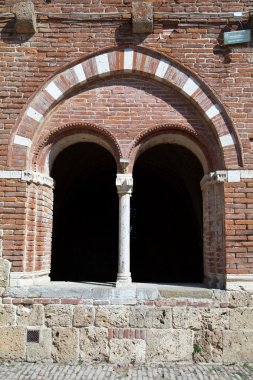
[(25, 17), (142, 16)]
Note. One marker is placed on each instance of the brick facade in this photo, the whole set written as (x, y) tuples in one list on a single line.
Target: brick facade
[(92, 78)]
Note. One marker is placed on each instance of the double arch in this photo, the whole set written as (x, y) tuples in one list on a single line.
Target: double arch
[(28, 131)]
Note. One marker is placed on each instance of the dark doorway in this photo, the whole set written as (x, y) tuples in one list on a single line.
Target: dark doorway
[(166, 216), (85, 223)]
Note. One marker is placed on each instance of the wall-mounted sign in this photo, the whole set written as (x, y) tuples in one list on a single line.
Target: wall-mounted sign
[(237, 37)]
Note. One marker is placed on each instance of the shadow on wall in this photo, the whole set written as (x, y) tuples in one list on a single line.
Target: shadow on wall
[(125, 36), (9, 36)]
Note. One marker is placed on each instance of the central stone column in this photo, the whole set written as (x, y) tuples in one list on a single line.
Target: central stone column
[(124, 183)]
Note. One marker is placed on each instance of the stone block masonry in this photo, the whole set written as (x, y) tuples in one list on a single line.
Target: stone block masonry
[(127, 76), (209, 326)]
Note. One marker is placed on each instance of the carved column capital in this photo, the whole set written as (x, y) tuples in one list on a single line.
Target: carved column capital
[(124, 183)]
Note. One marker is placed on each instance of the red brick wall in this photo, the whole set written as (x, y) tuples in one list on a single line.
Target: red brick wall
[(239, 227), (124, 105), (13, 221)]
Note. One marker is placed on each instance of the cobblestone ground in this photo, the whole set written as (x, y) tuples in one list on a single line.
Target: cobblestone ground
[(25, 371)]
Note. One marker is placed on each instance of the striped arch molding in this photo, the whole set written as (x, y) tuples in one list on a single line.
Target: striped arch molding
[(129, 60)]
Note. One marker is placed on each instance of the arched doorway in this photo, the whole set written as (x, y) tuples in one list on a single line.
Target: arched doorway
[(85, 222), (166, 216)]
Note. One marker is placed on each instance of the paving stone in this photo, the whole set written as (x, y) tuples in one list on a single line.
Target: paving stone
[(46, 371)]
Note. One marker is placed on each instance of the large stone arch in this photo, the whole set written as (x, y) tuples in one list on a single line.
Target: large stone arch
[(108, 63)]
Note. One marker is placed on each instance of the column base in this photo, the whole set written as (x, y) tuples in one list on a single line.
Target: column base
[(123, 280)]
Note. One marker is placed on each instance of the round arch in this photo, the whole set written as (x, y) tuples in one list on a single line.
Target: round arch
[(129, 60), (51, 145), (174, 134)]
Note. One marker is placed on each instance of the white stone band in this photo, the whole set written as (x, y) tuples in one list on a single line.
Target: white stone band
[(226, 176), (239, 282), (28, 176)]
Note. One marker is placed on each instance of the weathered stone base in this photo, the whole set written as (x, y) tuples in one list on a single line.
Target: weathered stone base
[(29, 278), (76, 324)]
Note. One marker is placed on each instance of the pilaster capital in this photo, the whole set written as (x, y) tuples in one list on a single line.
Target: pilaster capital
[(124, 183), (220, 176), (37, 178), (28, 176)]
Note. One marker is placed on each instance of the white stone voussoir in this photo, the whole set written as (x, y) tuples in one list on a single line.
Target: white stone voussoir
[(53, 90), (102, 62), (162, 69), (20, 140), (33, 114), (190, 86), (213, 111), (78, 69), (128, 59)]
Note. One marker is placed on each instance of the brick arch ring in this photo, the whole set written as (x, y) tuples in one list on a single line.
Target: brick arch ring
[(139, 61), (51, 144), (174, 134)]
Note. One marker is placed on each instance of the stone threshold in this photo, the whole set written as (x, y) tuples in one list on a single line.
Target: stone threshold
[(108, 292)]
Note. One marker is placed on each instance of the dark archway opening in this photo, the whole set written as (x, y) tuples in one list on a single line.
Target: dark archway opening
[(85, 222), (166, 216)]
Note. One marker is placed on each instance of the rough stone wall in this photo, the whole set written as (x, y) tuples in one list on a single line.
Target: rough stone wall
[(216, 328)]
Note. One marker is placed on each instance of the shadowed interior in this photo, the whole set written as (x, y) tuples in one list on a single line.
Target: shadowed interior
[(166, 216), (85, 229)]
